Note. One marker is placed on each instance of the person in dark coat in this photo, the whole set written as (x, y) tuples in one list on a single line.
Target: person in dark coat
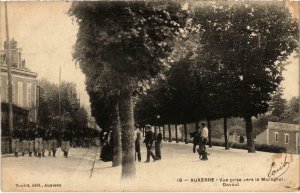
[(204, 137), (16, 137), (66, 137), (25, 141), (107, 149), (158, 140), (31, 138), (196, 135), (138, 137), (45, 141), (39, 135), (53, 136), (149, 139)]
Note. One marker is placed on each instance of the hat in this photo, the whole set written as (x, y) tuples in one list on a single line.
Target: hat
[(148, 127)]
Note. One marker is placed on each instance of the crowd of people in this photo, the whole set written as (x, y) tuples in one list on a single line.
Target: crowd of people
[(36, 140), (151, 141)]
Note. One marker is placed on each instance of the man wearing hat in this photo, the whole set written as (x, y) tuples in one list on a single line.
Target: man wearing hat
[(196, 138), (137, 134), (204, 137), (31, 138), (149, 139), (53, 140), (65, 141), (16, 136), (25, 141), (39, 135)]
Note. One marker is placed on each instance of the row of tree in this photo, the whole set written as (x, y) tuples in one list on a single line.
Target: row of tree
[(185, 62), (237, 67), (70, 105)]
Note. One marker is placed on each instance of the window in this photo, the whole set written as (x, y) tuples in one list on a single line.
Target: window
[(28, 95), (20, 94), (286, 138), (276, 136)]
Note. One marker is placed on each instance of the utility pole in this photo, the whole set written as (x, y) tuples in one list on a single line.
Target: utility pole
[(10, 108), (39, 104), (59, 97)]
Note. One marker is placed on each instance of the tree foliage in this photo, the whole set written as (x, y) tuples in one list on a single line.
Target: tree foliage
[(70, 104)]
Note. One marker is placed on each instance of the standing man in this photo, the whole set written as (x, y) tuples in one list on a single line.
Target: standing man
[(45, 141), (158, 140), (149, 139), (138, 143), (196, 138), (39, 135), (31, 138), (25, 141), (204, 137), (53, 140), (16, 135), (65, 142)]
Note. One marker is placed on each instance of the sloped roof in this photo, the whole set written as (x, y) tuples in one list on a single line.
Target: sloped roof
[(283, 126)]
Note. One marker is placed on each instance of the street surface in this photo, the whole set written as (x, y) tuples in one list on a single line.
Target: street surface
[(179, 170)]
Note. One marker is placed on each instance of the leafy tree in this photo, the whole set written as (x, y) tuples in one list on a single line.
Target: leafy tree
[(131, 40), (106, 112), (70, 106), (278, 103), (294, 104), (249, 39)]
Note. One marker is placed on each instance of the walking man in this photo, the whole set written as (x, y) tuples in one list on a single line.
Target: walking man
[(39, 135), (149, 139), (204, 137), (30, 137), (25, 141), (53, 136), (16, 135), (45, 141), (196, 138), (137, 143), (65, 142), (158, 140)]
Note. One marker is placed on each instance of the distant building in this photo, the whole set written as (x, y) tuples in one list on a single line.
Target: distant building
[(24, 90), (281, 134)]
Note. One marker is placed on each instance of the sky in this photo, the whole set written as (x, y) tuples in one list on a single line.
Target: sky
[(47, 35)]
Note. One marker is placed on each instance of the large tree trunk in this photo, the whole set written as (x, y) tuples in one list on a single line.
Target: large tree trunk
[(226, 133), (176, 133), (209, 133), (249, 132), (185, 134), (127, 131), (170, 134), (116, 132)]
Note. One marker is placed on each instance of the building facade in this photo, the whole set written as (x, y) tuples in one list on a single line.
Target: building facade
[(24, 88), (281, 134)]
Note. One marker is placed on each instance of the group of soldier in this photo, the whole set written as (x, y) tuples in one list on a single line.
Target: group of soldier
[(36, 140)]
